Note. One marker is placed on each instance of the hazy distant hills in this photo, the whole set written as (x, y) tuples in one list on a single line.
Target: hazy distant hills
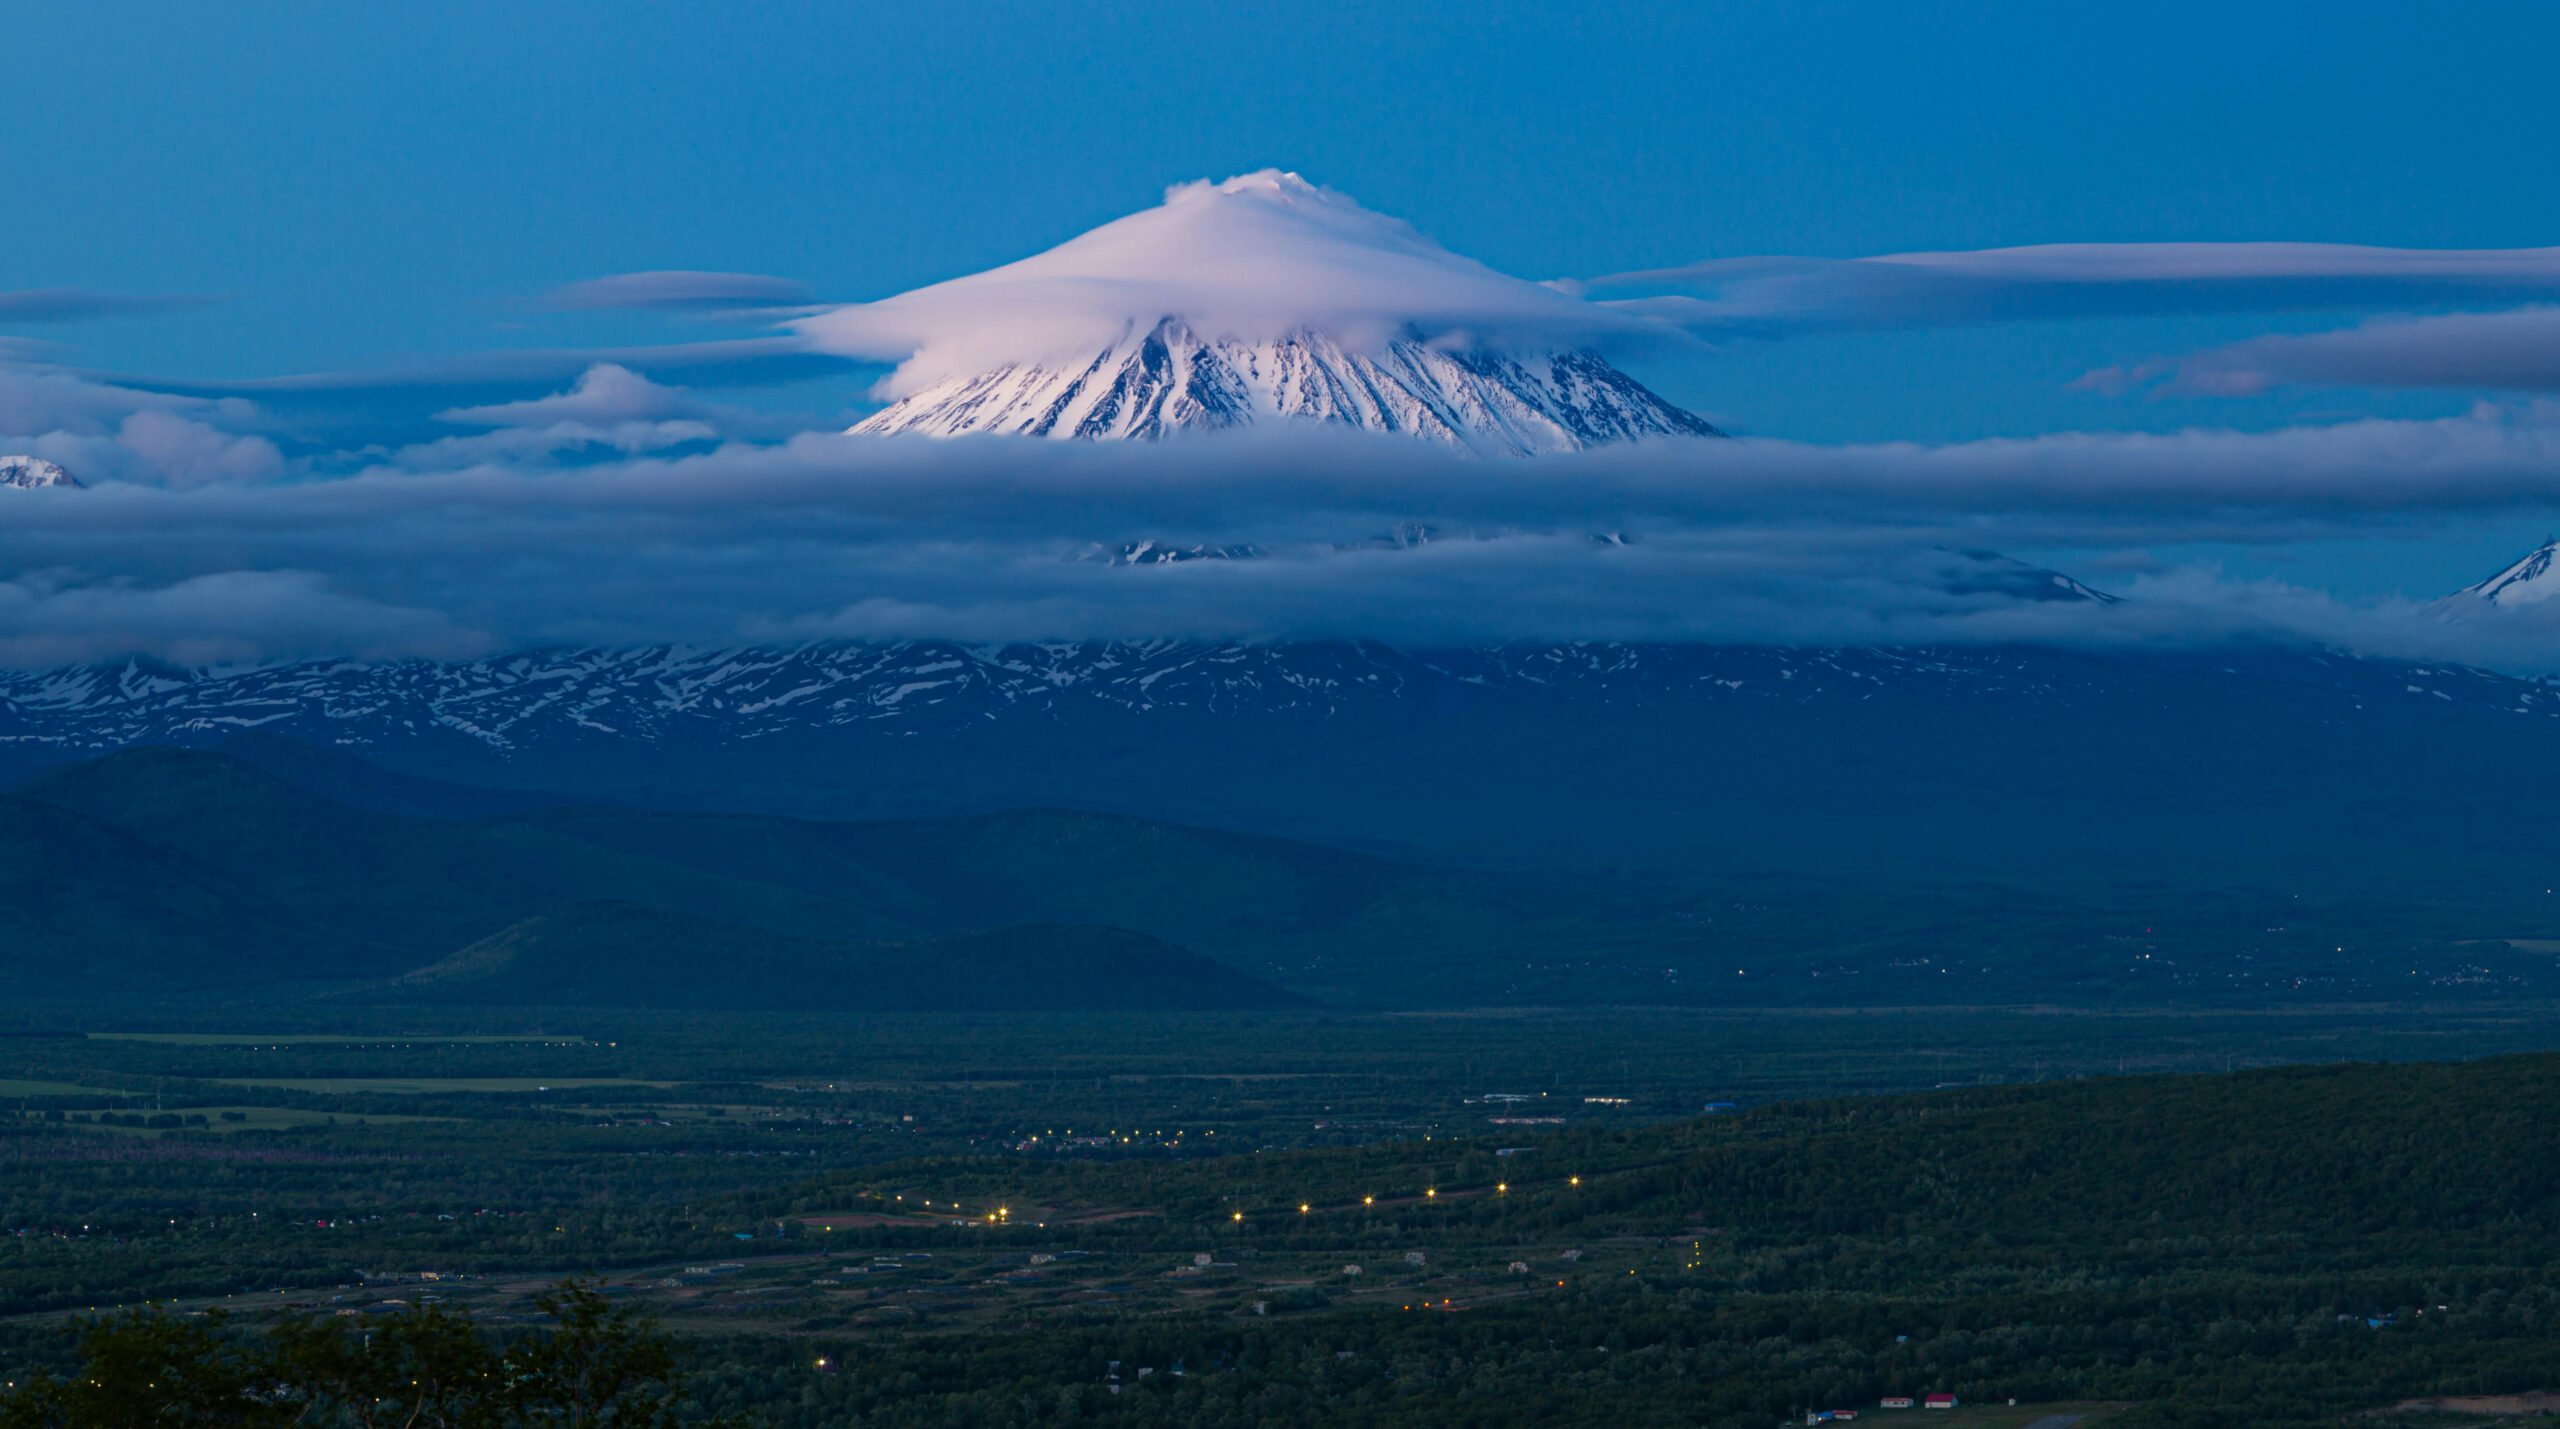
[(160, 875), (161, 870), (624, 955), (87, 907)]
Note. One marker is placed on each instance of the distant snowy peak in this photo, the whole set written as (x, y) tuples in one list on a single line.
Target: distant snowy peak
[(1158, 553), (1170, 379), (1993, 574), (2529, 581), (25, 473)]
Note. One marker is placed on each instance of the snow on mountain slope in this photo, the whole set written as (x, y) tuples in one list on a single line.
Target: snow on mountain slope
[(1260, 298), (2529, 581), (1157, 553), (667, 697), (1170, 378), (26, 473)]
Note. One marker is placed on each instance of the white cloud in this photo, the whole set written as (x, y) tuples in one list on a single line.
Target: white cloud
[(1770, 296), (2515, 350), (227, 617), (609, 407), (604, 394), (1752, 541), (37, 399), (1255, 257), (183, 452), (677, 290), (71, 305)]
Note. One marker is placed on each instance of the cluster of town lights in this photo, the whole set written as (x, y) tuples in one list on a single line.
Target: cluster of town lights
[(1003, 1215)]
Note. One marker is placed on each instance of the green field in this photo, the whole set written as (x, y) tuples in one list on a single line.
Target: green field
[(10, 1087), (2076, 1415), (267, 1118), (430, 1085), (280, 1041)]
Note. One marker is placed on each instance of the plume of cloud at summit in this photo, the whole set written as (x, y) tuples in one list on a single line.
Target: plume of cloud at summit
[(1258, 257)]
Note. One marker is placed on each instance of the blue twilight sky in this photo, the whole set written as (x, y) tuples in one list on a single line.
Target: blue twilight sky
[(365, 181), (368, 185)]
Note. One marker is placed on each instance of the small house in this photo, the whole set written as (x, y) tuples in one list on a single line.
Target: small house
[(1939, 1401)]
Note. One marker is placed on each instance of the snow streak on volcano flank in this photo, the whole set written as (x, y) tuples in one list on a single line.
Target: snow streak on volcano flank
[(2528, 582), (1263, 297)]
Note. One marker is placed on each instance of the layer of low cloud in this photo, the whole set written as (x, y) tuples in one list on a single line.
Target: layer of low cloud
[(400, 404), (828, 536), (185, 452), (1774, 296), (2513, 351), (75, 305), (508, 371), (609, 408), (51, 618), (678, 290), (104, 432), (603, 394)]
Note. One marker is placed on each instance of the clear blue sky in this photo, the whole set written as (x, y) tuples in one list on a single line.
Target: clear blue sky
[(363, 182)]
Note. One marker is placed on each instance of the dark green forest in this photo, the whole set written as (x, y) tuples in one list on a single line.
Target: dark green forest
[(2291, 1246)]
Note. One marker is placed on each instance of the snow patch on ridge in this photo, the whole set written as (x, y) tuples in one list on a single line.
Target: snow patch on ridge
[(26, 473)]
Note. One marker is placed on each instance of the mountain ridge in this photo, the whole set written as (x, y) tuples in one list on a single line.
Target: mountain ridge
[(1544, 753)]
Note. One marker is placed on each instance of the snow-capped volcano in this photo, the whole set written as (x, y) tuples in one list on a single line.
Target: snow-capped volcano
[(1261, 298), (2529, 581), (1170, 378), (25, 473)]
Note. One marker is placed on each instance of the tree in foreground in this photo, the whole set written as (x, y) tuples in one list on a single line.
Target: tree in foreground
[(598, 1367)]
